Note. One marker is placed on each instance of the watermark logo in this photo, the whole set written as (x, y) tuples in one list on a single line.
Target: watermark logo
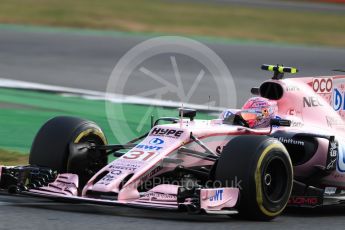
[(193, 183), (165, 72)]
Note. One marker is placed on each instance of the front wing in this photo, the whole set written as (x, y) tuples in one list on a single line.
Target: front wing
[(163, 197)]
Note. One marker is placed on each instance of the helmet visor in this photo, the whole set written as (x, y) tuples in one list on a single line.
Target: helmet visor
[(248, 115)]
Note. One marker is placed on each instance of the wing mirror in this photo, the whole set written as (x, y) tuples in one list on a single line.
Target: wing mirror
[(190, 113), (280, 122)]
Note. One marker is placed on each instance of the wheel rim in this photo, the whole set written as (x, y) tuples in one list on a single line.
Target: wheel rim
[(93, 162), (275, 180)]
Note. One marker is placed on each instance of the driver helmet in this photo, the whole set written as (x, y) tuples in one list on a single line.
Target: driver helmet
[(258, 112)]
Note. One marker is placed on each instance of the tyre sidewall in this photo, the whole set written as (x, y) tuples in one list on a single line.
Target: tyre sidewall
[(50, 147), (266, 208), (243, 160)]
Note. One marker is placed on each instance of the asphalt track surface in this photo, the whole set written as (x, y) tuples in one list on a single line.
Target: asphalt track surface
[(32, 213), (86, 61)]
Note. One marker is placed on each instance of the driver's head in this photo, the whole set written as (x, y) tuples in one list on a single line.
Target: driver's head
[(258, 112)]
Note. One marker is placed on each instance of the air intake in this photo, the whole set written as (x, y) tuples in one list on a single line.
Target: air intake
[(271, 90)]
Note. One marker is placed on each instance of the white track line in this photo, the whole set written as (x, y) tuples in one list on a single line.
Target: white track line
[(97, 95)]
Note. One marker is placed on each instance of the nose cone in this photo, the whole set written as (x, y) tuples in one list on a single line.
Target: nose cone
[(128, 193), (108, 184)]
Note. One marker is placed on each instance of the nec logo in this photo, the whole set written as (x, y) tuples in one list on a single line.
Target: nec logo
[(166, 132), (311, 102), (217, 196)]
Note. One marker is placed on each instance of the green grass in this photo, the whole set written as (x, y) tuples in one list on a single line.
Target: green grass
[(12, 158), (178, 17), (23, 112)]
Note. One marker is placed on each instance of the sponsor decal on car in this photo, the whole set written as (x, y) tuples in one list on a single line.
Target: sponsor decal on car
[(305, 201), (122, 168), (107, 179), (125, 164), (341, 157), (338, 100), (173, 133), (158, 196), (148, 147), (311, 102), (290, 141), (293, 120), (330, 190), (297, 124), (332, 154), (226, 114), (156, 141), (292, 88), (334, 121), (151, 173), (117, 168), (218, 195), (116, 172), (322, 85), (139, 155)]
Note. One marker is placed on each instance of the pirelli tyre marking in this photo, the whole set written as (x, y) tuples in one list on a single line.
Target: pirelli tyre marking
[(259, 195)]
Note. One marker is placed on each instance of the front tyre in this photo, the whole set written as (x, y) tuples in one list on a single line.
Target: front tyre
[(262, 169), (51, 147)]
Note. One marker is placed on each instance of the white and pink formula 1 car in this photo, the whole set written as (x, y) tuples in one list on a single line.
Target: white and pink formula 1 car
[(219, 166)]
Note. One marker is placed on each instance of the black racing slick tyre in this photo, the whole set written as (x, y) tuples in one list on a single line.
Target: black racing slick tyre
[(51, 147), (262, 169)]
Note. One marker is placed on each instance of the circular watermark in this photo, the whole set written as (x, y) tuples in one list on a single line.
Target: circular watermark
[(171, 48)]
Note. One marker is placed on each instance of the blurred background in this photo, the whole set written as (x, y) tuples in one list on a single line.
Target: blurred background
[(56, 55), (301, 22)]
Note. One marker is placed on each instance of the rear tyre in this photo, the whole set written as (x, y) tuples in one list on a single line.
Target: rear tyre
[(261, 167), (51, 147)]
